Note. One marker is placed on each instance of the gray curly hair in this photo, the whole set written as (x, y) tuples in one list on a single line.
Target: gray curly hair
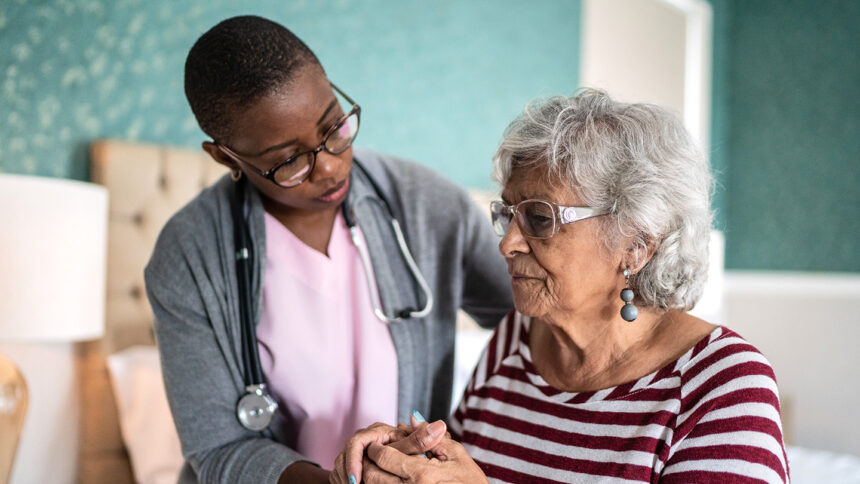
[(637, 163)]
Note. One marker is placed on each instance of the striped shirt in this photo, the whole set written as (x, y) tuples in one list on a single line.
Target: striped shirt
[(712, 415)]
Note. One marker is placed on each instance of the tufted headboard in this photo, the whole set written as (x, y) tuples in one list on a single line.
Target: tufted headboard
[(147, 184)]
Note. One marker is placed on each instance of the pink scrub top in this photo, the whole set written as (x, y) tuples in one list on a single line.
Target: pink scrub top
[(329, 362)]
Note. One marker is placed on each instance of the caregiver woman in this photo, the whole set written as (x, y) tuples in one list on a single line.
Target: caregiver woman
[(327, 360), (601, 374)]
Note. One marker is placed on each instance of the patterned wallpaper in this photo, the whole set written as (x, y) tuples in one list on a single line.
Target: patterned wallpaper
[(437, 81), (76, 70)]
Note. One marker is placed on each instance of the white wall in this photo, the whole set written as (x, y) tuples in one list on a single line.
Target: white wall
[(656, 51), (808, 327), (635, 50)]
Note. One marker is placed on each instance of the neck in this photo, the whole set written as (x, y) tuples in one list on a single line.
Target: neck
[(585, 354), (314, 228)]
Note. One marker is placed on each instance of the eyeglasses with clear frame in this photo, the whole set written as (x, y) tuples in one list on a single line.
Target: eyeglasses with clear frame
[(537, 219), (297, 168)]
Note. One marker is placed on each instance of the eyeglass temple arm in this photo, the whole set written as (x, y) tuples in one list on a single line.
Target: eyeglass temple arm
[(345, 96), (574, 214)]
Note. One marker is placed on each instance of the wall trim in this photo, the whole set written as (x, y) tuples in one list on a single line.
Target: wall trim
[(698, 60), (818, 284)]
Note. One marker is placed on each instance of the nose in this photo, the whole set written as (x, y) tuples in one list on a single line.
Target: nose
[(513, 241), (327, 165)]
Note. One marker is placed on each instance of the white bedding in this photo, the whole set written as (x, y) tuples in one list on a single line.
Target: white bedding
[(813, 466)]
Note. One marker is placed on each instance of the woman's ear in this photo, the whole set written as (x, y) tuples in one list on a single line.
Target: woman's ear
[(218, 155), (639, 252)]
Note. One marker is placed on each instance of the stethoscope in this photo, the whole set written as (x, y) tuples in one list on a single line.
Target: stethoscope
[(256, 407)]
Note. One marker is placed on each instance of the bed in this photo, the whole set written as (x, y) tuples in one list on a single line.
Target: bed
[(126, 432)]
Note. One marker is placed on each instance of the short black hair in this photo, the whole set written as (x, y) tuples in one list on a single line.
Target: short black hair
[(235, 63)]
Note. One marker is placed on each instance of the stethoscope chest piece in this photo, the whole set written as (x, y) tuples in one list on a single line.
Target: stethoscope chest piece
[(256, 408)]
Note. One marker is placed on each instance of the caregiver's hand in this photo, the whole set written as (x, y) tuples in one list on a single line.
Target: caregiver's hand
[(402, 438), (450, 464)]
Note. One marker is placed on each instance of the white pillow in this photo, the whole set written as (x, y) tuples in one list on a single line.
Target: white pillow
[(144, 416)]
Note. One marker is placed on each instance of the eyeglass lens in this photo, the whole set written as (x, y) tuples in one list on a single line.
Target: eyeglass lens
[(339, 139), (535, 218)]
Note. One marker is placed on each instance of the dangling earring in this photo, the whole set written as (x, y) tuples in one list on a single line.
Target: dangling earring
[(235, 175), (629, 312)]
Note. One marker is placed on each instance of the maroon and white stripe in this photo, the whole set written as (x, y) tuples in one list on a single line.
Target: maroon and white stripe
[(710, 416)]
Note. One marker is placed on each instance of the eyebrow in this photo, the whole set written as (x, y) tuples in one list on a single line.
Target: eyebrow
[(295, 141), (530, 196), (327, 110)]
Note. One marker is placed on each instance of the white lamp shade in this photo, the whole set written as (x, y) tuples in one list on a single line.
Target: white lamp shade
[(53, 243)]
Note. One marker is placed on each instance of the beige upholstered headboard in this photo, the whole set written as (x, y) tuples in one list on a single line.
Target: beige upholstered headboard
[(147, 184)]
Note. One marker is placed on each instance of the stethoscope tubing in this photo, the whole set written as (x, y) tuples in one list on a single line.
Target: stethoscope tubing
[(364, 254), (256, 407), (416, 272), (372, 286), (250, 355)]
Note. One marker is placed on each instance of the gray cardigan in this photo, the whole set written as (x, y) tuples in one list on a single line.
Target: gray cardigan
[(191, 285)]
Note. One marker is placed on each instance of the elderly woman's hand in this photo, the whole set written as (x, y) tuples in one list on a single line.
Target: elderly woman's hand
[(417, 439), (450, 464)]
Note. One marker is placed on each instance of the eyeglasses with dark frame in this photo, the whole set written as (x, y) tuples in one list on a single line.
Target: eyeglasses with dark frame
[(537, 219), (297, 168)]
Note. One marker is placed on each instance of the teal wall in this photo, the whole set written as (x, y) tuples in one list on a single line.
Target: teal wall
[(719, 141), (787, 133), (437, 81)]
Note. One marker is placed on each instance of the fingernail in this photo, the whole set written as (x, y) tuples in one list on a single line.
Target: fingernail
[(418, 416), (435, 429), (351, 479)]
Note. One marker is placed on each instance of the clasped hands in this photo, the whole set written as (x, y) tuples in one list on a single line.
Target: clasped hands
[(417, 453)]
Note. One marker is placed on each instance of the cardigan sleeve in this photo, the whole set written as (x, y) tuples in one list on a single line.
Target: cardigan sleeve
[(487, 295), (201, 374)]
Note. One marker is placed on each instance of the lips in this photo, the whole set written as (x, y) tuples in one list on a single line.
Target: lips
[(522, 276), (336, 193), (523, 273)]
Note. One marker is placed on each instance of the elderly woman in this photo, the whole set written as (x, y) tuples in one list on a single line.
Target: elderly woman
[(600, 374)]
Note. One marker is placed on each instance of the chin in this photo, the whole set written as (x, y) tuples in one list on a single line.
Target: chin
[(528, 305)]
